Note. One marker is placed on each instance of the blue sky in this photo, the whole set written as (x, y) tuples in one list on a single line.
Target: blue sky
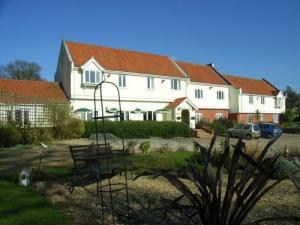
[(255, 38)]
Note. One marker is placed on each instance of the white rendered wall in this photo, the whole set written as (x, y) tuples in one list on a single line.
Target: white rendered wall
[(136, 87), (209, 99), (268, 107)]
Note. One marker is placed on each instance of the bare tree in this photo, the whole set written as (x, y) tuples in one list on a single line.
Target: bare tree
[(21, 70)]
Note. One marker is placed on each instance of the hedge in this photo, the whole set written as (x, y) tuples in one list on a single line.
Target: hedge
[(141, 129), (291, 130)]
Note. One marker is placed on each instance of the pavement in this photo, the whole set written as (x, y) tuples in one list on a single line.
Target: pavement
[(57, 153)]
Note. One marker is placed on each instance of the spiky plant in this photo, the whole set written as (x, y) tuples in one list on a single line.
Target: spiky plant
[(210, 204)]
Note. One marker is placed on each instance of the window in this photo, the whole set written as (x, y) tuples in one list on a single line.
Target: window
[(175, 84), (262, 100), (277, 102), (150, 83), (92, 77), (18, 116), (251, 100), (198, 93), (261, 118), (9, 116), (249, 118), (122, 81), (124, 115), (86, 116), (275, 118), (149, 115), (198, 117), (220, 95), (26, 117), (219, 116)]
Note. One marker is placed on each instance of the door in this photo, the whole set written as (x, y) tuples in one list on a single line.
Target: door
[(185, 116)]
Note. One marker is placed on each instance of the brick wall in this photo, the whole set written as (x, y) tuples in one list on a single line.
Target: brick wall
[(243, 117), (210, 114)]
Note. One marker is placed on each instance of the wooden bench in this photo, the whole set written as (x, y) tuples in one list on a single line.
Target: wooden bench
[(91, 164)]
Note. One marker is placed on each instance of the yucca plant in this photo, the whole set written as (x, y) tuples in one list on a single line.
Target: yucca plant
[(210, 204)]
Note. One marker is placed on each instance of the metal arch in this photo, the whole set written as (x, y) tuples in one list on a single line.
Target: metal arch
[(96, 118)]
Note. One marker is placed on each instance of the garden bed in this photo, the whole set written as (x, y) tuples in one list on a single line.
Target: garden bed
[(148, 194)]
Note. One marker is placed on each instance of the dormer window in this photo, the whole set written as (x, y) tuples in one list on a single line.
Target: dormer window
[(92, 77)]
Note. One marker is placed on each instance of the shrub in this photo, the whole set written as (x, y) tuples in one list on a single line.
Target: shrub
[(220, 202), (141, 129), (291, 130), (221, 126), (165, 147), (72, 128), (76, 127), (9, 136), (130, 146), (181, 148), (284, 167), (203, 123), (144, 147)]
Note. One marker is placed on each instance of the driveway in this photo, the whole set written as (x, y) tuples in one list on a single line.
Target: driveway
[(57, 153)]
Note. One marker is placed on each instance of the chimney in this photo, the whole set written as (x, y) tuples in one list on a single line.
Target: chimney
[(211, 65)]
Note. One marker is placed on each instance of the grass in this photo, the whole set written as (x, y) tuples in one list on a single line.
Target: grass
[(160, 161), (22, 206)]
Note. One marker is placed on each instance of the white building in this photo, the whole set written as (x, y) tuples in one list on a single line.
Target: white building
[(32, 103), (152, 87), (249, 96)]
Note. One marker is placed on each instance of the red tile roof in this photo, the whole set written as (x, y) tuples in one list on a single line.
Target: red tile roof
[(201, 73), (123, 60), (252, 86), (24, 91), (175, 103)]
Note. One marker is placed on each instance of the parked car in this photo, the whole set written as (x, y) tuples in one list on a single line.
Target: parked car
[(269, 130), (247, 131)]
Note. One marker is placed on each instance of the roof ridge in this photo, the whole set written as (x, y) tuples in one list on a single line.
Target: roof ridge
[(195, 64), (236, 76), (44, 81), (118, 49)]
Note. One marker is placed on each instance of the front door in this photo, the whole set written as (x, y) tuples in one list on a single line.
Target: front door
[(185, 116)]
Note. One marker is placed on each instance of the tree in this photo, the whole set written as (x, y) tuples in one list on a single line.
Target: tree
[(21, 70), (257, 116), (293, 99)]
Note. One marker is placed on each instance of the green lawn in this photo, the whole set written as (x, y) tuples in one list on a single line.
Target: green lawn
[(160, 161), (22, 206)]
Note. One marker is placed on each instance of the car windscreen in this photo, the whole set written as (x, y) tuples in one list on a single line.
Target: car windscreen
[(256, 127)]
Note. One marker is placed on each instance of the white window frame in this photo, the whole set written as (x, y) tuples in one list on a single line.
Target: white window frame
[(262, 100), (175, 84), (86, 115), (219, 115), (278, 102), (261, 118), (26, 117), (87, 77), (248, 118), (220, 95), (251, 100), (198, 93), (275, 118), (18, 116), (198, 117), (150, 83), (122, 81)]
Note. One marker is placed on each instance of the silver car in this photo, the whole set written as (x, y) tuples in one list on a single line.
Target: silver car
[(247, 131)]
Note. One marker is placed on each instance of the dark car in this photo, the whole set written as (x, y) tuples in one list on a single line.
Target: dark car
[(269, 130)]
